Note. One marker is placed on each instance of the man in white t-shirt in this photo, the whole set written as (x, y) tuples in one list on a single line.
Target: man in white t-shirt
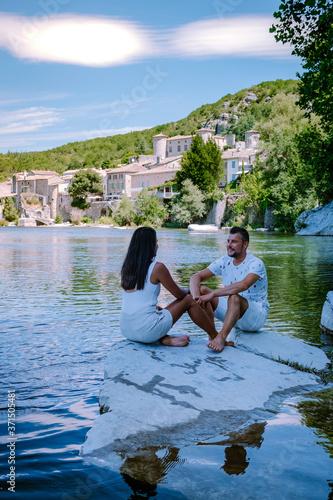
[(242, 302)]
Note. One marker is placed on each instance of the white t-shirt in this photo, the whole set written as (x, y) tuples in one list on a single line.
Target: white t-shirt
[(231, 274)]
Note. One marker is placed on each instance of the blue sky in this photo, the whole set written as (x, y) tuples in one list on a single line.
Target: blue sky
[(76, 69)]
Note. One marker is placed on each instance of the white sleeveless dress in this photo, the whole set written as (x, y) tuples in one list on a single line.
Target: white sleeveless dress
[(140, 320)]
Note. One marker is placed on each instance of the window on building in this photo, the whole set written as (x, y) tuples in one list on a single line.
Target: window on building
[(138, 184), (233, 164), (185, 147), (114, 176), (121, 176), (143, 184), (170, 149), (233, 177), (178, 149)]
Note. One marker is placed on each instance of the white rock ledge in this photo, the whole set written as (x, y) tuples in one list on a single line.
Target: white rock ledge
[(159, 396)]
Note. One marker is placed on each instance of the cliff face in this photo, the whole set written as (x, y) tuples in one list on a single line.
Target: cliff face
[(317, 222)]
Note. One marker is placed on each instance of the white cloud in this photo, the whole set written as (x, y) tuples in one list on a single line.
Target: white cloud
[(245, 36), (27, 120), (99, 41), (5, 100), (74, 39)]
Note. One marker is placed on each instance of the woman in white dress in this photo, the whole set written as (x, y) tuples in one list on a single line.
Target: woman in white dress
[(141, 319)]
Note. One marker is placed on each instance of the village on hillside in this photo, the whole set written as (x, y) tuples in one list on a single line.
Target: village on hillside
[(41, 196)]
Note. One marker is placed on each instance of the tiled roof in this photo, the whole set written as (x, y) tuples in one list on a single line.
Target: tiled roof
[(233, 153), (132, 168), (179, 137), (43, 172)]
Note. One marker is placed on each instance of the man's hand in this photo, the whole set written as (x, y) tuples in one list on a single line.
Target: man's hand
[(203, 299)]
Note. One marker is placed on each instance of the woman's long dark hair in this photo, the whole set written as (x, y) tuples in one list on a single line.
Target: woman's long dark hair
[(140, 253)]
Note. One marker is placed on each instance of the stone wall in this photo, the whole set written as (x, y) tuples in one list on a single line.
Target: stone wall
[(64, 208)]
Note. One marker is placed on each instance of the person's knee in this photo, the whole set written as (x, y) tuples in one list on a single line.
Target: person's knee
[(204, 290), (234, 300), (189, 301)]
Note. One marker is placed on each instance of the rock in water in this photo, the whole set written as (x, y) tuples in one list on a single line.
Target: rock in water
[(326, 322), (154, 395), (317, 222)]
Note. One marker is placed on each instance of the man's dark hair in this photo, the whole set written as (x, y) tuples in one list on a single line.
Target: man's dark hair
[(241, 231)]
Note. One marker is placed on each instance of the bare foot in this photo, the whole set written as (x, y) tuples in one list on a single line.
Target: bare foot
[(180, 341), (218, 344)]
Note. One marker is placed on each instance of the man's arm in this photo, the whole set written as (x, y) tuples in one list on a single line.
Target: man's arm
[(239, 286), (197, 279)]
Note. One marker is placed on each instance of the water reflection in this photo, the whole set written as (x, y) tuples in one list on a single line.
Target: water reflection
[(144, 471), (317, 413), (236, 461)]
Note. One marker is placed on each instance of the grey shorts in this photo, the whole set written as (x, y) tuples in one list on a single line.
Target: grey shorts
[(252, 320), (146, 328)]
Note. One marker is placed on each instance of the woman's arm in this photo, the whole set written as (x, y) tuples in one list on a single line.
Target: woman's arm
[(162, 275)]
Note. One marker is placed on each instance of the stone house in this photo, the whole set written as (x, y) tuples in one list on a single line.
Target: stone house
[(43, 184), (242, 153), (166, 147), (156, 175)]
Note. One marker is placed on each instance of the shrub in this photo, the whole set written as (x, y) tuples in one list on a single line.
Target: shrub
[(124, 213), (105, 220), (10, 212), (58, 219), (86, 220), (149, 210)]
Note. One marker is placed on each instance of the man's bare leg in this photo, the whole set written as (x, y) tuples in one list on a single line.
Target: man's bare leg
[(237, 306)]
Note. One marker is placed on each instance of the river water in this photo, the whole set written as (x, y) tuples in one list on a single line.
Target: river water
[(59, 309)]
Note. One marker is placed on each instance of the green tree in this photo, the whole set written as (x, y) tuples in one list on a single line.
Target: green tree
[(149, 211), (202, 164), (75, 164), (10, 212), (124, 213), (142, 147), (286, 178), (308, 27), (127, 156), (85, 182), (108, 164), (189, 205)]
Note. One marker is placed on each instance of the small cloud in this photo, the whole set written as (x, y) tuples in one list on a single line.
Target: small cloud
[(245, 36), (74, 39), (9, 101), (27, 120)]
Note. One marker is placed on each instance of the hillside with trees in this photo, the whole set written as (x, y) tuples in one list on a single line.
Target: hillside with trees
[(230, 114)]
